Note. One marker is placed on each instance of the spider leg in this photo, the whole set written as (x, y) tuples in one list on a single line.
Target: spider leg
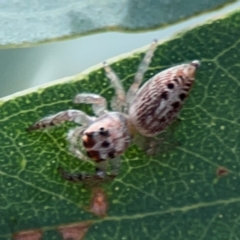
[(74, 138), (73, 177), (101, 169), (147, 144), (115, 164), (99, 103), (100, 173), (119, 101), (140, 73), (72, 115), (159, 144)]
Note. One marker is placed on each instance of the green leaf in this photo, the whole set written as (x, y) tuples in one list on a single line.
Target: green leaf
[(22, 23), (188, 192)]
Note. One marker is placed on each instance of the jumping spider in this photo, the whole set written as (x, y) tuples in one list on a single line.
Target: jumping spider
[(146, 111)]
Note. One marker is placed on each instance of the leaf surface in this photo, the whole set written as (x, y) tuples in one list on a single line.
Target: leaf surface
[(188, 192)]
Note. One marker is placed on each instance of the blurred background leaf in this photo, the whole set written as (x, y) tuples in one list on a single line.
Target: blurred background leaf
[(23, 22)]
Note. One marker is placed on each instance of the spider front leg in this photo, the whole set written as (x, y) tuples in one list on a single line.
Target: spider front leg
[(143, 67), (100, 173), (115, 164), (99, 103), (159, 144), (119, 101), (72, 115), (74, 138)]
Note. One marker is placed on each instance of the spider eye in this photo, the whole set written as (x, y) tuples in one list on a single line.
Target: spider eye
[(105, 144), (104, 133), (88, 142), (101, 129), (89, 134)]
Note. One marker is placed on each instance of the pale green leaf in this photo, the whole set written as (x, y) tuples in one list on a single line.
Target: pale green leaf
[(23, 22)]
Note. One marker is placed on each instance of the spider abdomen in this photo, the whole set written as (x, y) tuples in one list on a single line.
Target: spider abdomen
[(160, 99)]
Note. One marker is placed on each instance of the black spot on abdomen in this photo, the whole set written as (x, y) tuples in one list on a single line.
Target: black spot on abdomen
[(176, 104), (170, 86), (164, 95), (182, 96)]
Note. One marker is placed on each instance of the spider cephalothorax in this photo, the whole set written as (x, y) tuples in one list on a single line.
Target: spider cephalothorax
[(108, 141), (146, 111)]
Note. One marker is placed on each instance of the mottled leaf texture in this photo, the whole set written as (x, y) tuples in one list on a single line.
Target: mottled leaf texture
[(188, 192), (22, 23)]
